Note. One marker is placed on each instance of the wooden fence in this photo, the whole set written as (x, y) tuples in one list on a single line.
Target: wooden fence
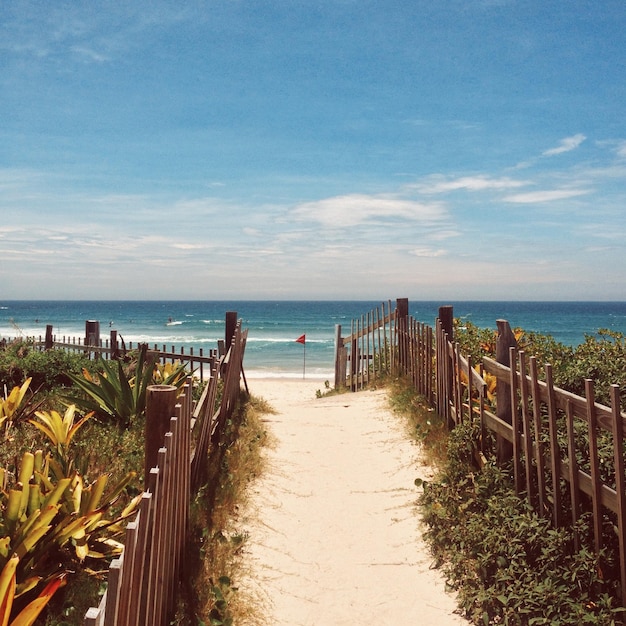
[(142, 582), (367, 352), (543, 430)]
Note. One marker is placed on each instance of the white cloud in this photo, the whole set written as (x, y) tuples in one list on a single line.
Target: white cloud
[(442, 235), (621, 149), (427, 252), (188, 246), (566, 145), (355, 209), (87, 54), (438, 184), (550, 195)]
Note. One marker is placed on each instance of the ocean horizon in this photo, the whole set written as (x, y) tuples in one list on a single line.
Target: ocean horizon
[(274, 325)]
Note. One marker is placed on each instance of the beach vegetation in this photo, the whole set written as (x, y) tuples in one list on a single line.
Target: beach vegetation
[(51, 525), (49, 370), (506, 564), (601, 357), (118, 391), (423, 423), (64, 497), (13, 405), (329, 390), (214, 562)]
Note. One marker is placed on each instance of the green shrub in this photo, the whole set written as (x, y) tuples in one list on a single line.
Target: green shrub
[(601, 357), (508, 565), (118, 392), (49, 369)]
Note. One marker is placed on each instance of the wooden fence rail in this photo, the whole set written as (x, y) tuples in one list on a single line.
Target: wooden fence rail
[(542, 429), (142, 582)]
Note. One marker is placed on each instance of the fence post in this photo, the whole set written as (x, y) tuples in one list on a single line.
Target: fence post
[(92, 333), (505, 340), (114, 347), (402, 321), (49, 339), (231, 324), (160, 403), (445, 369), (340, 359)]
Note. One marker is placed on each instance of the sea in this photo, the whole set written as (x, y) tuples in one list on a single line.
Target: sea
[(274, 326)]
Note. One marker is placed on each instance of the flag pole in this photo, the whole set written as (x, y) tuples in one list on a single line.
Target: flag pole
[(302, 340)]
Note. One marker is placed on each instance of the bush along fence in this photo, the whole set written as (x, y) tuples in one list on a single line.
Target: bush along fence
[(567, 451), (114, 347), (180, 436)]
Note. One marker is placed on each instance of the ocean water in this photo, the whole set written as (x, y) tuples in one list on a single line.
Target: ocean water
[(274, 326)]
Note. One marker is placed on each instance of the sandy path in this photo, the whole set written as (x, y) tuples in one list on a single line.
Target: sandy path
[(334, 534)]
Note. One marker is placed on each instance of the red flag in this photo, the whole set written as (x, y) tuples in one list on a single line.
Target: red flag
[(301, 339)]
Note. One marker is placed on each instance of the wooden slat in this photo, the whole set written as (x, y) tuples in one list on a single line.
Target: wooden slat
[(537, 424), (111, 604), (515, 424), (620, 483), (527, 431), (126, 590), (149, 614), (592, 423), (573, 469), (555, 453), (137, 583)]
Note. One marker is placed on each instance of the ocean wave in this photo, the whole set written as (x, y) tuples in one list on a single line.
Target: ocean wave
[(313, 374), (286, 340)]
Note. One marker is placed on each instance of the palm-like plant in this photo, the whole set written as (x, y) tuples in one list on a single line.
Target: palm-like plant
[(120, 395), (48, 523), (60, 431)]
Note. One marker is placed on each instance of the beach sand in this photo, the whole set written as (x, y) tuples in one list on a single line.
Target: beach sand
[(334, 533)]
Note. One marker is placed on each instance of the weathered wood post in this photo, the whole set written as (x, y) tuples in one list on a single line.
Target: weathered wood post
[(504, 410), (115, 353), (231, 325), (402, 320), (446, 317), (160, 403), (445, 369), (92, 333), (340, 359), (49, 339)]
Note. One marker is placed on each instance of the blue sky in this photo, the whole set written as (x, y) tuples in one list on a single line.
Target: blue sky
[(238, 149)]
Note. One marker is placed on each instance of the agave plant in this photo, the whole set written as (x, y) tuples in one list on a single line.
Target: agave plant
[(120, 395)]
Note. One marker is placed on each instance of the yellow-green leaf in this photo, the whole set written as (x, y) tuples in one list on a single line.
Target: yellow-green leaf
[(29, 614), (7, 589)]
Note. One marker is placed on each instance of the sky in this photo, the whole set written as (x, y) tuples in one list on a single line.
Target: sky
[(313, 149)]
